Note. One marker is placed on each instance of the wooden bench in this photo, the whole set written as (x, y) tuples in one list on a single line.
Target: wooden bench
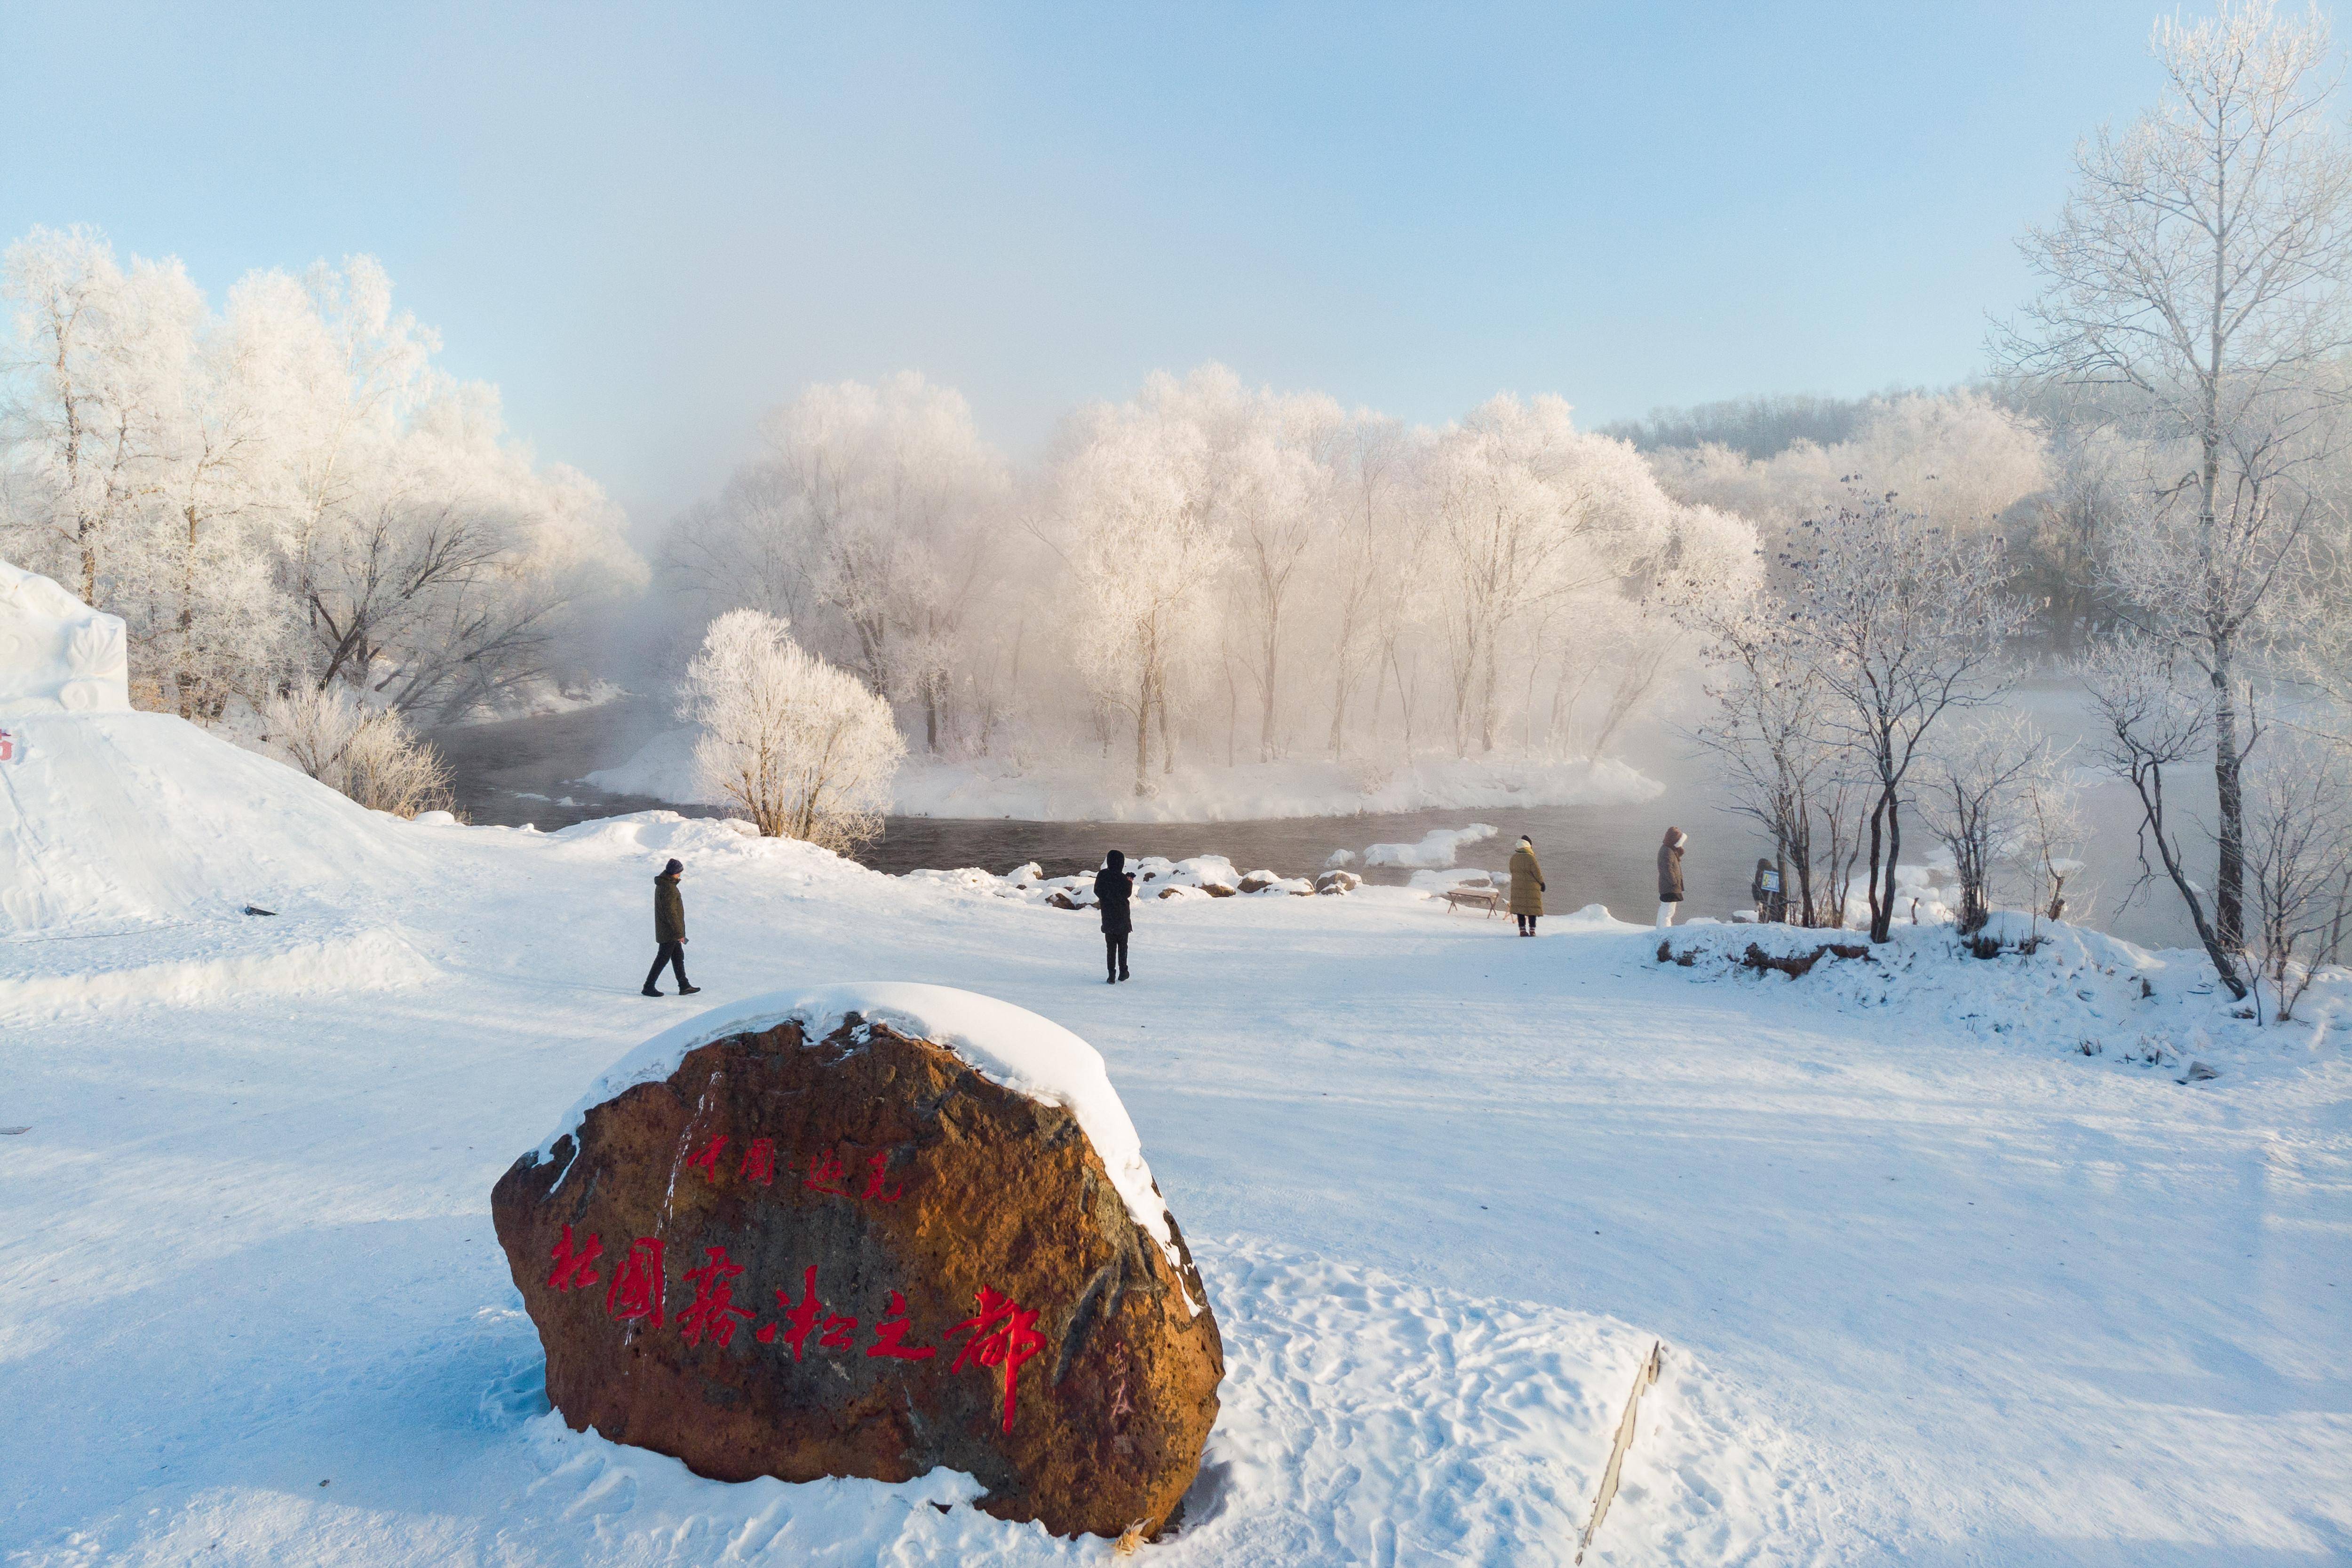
[(1490, 899)]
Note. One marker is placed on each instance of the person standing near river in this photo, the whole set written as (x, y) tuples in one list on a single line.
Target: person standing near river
[(1114, 887), (1527, 886), (1670, 875), (669, 931)]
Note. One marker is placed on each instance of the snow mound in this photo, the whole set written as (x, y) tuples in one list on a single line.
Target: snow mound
[(1436, 851), (56, 653), (1005, 1044), (119, 821)]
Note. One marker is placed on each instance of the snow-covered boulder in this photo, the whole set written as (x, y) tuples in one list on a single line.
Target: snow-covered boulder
[(872, 1230), (56, 653)]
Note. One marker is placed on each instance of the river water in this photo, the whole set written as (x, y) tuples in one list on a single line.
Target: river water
[(527, 770)]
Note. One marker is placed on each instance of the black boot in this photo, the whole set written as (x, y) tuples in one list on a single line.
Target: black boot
[(687, 990), (649, 991)]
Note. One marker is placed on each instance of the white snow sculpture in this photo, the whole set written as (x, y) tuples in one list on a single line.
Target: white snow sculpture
[(56, 652)]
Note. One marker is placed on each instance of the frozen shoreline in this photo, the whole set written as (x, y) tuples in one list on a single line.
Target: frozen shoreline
[(663, 770)]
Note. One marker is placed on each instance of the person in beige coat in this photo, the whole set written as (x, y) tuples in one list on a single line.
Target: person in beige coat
[(1527, 886)]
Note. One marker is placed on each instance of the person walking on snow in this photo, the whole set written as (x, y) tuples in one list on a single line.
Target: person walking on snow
[(1527, 886), (1114, 886), (669, 931), (1670, 875)]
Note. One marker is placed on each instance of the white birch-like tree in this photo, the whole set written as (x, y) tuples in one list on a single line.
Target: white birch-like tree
[(2199, 267)]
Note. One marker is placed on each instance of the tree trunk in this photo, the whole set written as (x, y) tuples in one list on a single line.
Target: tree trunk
[(1265, 720), (1486, 705), (2228, 792), (1167, 740), (1142, 735), (1881, 914), (186, 678)]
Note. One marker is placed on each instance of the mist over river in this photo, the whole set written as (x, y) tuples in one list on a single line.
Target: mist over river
[(527, 770)]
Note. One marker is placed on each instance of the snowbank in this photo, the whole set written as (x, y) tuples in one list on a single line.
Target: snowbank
[(110, 821), (1092, 791), (1008, 1045), (2079, 992)]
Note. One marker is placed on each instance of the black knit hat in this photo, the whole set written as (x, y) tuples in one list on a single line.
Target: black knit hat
[(672, 868)]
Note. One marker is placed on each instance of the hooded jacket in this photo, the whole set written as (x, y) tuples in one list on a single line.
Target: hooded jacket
[(669, 909), (1113, 888), (1526, 881), (1670, 868)]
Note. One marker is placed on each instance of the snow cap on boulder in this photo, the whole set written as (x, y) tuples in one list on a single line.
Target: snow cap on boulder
[(1003, 1043)]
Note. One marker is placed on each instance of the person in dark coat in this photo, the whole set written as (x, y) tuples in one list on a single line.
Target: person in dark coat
[(1670, 875), (1114, 886), (669, 931), (1527, 886)]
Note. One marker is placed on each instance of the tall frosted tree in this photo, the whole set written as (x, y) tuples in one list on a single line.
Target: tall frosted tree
[(2200, 267)]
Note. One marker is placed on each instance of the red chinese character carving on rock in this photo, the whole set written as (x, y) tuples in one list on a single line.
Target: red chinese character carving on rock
[(572, 1271), (707, 1162), (876, 1165), (713, 1309), (636, 1288), (800, 1317), (1004, 1335), (890, 1335), (825, 1173), (759, 1161)]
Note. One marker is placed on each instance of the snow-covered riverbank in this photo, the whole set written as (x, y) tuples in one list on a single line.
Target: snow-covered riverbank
[(1933, 1284), (1098, 792)]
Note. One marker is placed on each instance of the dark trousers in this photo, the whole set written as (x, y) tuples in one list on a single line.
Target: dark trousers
[(1115, 952), (1528, 924), (674, 954)]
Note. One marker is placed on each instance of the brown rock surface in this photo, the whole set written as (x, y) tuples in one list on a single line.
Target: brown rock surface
[(859, 1256)]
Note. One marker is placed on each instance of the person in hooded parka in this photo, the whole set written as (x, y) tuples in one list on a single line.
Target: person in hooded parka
[(1527, 886), (1670, 875)]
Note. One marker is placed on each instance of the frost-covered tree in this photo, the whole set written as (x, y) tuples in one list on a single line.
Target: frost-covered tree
[(1909, 623), (1143, 550), (1992, 781), (2198, 268), (282, 492), (2299, 861), (801, 744), (1526, 511), (2151, 722), (1958, 458), (874, 520)]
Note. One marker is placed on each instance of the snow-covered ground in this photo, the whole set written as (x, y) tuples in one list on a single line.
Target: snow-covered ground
[(1934, 1286), (1098, 792)]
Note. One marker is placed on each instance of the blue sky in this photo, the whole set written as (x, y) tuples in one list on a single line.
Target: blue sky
[(647, 224)]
